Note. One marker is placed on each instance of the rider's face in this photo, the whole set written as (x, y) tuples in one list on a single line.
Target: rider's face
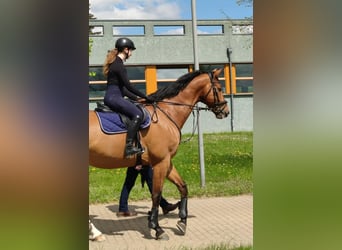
[(128, 52)]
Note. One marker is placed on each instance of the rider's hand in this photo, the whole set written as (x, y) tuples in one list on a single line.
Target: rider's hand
[(138, 167), (149, 99)]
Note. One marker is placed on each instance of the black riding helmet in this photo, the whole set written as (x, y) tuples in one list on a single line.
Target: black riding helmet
[(123, 42)]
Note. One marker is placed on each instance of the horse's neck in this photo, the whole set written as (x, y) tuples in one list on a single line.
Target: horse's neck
[(186, 100)]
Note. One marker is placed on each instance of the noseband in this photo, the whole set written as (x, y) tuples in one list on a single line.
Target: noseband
[(218, 106)]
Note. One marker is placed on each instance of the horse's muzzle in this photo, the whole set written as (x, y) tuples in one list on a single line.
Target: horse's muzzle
[(221, 110), (222, 114)]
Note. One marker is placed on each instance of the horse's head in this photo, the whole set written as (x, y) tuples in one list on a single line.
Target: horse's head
[(213, 96)]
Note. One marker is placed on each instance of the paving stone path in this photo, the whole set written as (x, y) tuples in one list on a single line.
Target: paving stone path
[(227, 220)]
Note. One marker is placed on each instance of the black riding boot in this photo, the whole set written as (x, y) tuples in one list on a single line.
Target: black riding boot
[(131, 133)]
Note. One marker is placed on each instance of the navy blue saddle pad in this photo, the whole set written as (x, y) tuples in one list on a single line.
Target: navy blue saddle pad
[(111, 123)]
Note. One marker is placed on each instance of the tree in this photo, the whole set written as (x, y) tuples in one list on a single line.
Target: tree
[(91, 17), (248, 3), (91, 32)]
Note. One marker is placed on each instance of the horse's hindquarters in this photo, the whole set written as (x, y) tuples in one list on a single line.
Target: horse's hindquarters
[(106, 151)]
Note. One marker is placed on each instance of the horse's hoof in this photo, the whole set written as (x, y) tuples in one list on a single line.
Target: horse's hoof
[(162, 236), (182, 227), (99, 238)]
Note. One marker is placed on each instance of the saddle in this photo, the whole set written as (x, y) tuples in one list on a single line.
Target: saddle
[(112, 122)]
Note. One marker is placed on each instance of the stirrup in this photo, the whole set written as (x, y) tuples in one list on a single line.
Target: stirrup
[(132, 151)]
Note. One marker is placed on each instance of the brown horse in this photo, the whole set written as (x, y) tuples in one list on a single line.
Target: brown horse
[(161, 139)]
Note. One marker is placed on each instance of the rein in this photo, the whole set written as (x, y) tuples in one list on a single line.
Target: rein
[(216, 108), (155, 106), (154, 116)]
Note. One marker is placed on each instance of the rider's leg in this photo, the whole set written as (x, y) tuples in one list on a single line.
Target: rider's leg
[(132, 130), (126, 107)]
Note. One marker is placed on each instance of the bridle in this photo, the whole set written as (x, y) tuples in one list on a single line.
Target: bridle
[(217, 108)]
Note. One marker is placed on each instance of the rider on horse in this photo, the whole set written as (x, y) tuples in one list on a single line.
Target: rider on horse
[(118, 86)]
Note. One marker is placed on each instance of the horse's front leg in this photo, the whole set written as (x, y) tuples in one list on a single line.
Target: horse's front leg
[(159, 174), (183, 190), (153, 218)]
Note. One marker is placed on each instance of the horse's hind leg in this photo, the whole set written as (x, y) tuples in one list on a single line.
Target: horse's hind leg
[(94, 233), (183, 190)]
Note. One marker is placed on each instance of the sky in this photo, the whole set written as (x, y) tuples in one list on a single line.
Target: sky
[(168, 9)]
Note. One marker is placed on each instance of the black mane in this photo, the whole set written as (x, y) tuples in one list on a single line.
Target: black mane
[(173, 89)]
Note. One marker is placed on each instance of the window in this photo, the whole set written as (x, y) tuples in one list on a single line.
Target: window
[(95, 74), (98, 82), (242, 29), (128, 30), (164, 30), (210, 29), (167, 76), (136, 75), (244, 77), (211, 67), (95, 30), (97, 91)]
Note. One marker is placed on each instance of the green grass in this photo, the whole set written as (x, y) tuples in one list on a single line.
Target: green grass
[(228, 171)]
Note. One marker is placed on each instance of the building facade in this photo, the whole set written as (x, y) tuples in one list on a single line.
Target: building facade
[(165, 52)]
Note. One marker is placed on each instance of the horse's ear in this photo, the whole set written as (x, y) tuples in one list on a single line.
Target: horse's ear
[(217, 72)]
